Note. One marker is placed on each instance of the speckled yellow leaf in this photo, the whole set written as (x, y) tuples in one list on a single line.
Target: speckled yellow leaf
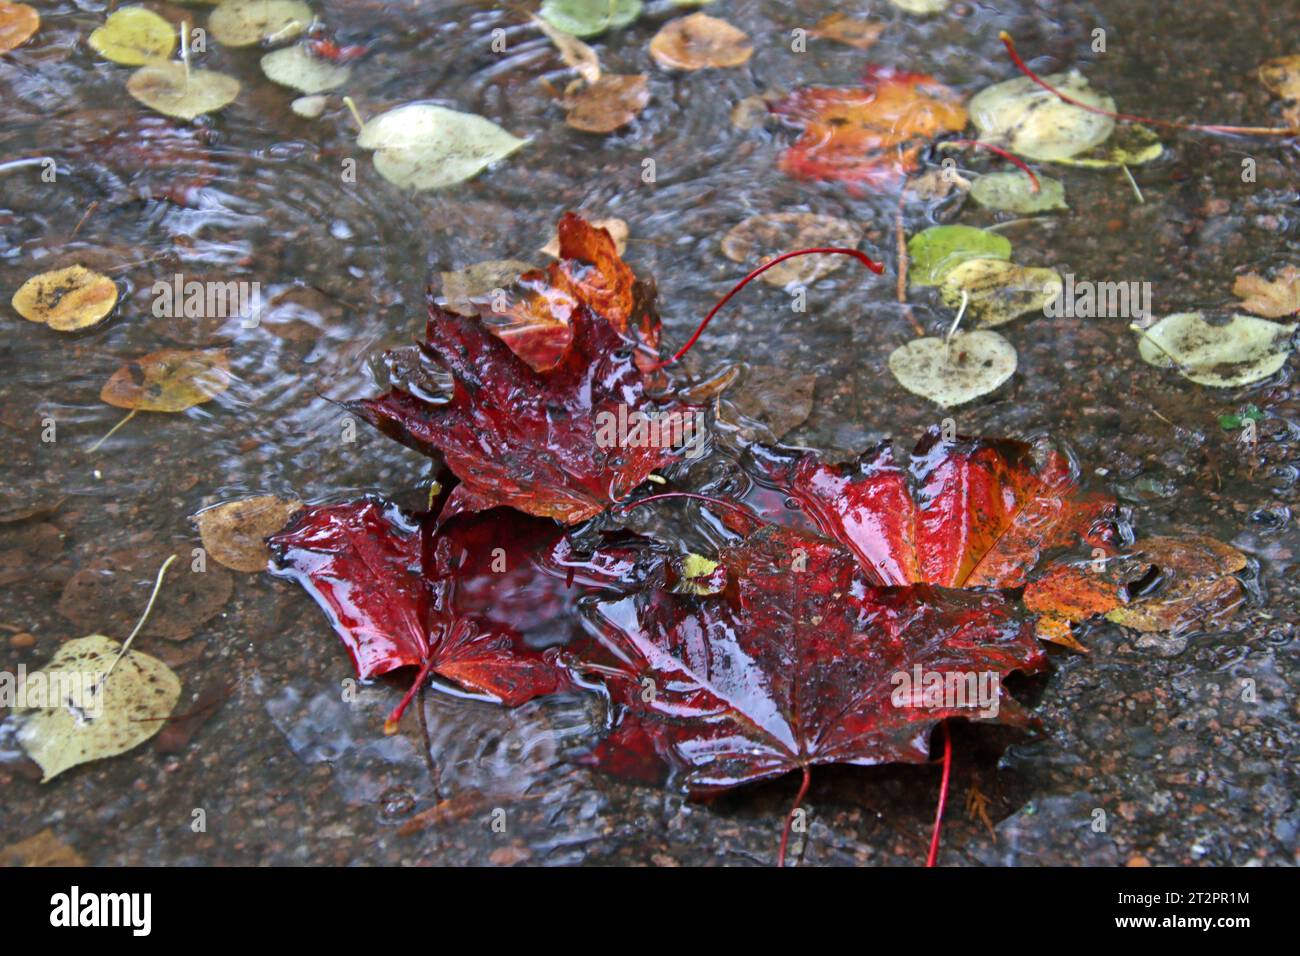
[(66, 300), (95, 716), (134, 36), (170, 380)]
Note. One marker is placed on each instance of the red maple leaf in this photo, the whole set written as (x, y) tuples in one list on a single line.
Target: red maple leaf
[(561, 443), (795, 662), (535, 318), (870, 135), (972, 512), (484, 601)]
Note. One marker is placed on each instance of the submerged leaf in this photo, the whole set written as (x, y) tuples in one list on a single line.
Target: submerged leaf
[(246, 22), (170, 380), (997, 291), (954, 372), (1240, 352), (870, 135), (174, 91), (1036, 123), (1014, 192), (296, 67), (699, 42), (100, 717), (67, 300), (762, 237), (134, 36), (934, 252)]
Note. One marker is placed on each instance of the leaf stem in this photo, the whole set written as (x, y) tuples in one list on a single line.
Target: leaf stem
[(789, 817), (126, 645), (933, 856), (1010, 44), (1009, 157), (861, 257), (129, 415)]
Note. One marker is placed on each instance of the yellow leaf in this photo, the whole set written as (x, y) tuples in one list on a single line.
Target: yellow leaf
[(134, 36), (170, 380), (66, 300)]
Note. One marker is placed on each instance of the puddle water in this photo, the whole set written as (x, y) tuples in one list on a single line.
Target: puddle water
[(290, 772)]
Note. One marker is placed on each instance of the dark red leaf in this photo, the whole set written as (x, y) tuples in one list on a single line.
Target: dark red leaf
[(965, 513), (793, 664), (526, 439), (483, 601)]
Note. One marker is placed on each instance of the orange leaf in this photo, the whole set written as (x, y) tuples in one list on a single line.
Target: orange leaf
[(869, 135)]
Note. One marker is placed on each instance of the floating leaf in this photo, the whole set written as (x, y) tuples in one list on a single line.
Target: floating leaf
[(1014, 192), (235, 532), (586, 18), (295, 67), (960, 513), (760, 238), (997, 291), (480, 279), (246, 22), (1035, 123), (954, 372), (67, 300), (612, 101), (870, 135), (420, 146), (174, 91), (1273, 300), (309, 107), (1129, 145), (170, 380), (1195, 585), (134, 36), (105, 715), (842, 28), (699, 42), (1242, 351), (18, 22), (936, 251), (616, 228)]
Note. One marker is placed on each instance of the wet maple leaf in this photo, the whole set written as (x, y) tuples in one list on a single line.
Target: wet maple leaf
[(870, 135), (972, 512), (793, 663), (483, 601), (529, 439), (536, 318)]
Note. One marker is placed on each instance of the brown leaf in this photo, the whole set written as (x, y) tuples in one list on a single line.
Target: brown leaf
[(698, 42), (760, 238), (44, 849), (235, 532), (169, 380), (1195, 586), (1273, 300), (612, 101), (18, 22), (842, 28)]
